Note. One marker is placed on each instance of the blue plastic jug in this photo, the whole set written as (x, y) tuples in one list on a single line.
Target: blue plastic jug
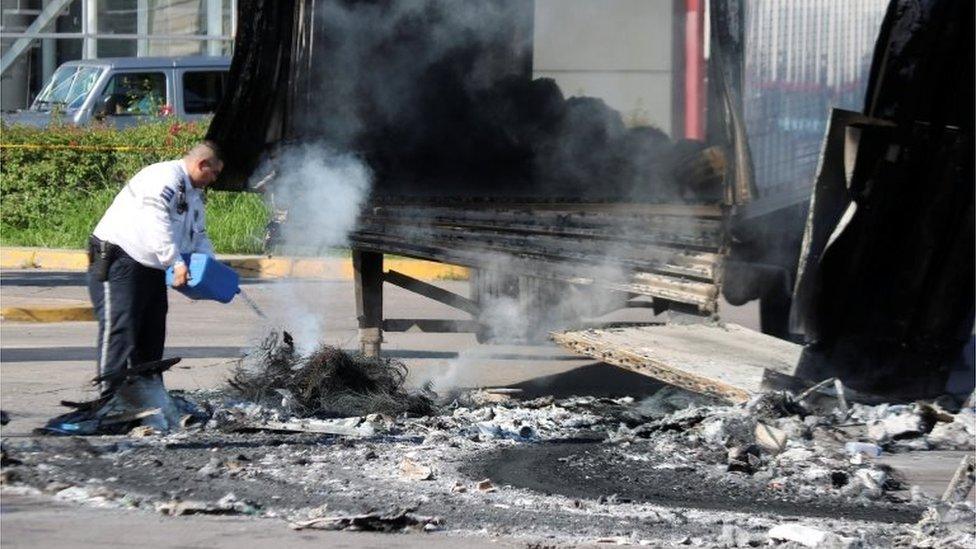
[(209, 279)]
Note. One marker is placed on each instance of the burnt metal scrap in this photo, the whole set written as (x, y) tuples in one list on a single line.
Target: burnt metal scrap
[(139, 399)]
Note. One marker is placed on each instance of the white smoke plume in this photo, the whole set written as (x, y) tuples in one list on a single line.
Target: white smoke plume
[(320, 192), (323, 192)]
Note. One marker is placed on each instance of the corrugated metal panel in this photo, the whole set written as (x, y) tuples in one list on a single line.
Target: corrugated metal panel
[(802, 58)]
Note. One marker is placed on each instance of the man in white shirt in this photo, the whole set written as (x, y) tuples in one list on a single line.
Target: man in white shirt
[(158, 216)]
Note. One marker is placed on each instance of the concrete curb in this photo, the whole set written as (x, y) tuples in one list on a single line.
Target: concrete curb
[(43, 258), (48, 314), (330, 268)]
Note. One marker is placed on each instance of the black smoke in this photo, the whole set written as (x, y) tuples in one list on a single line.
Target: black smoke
[(438, 97)]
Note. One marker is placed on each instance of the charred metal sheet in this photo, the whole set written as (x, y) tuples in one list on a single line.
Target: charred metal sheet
[(436, 293)]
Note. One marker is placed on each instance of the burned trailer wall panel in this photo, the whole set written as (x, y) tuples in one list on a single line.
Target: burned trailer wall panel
[(250, 118), (886, 296), (799, 59)]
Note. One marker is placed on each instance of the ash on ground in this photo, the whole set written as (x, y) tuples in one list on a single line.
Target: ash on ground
[(668, 470)]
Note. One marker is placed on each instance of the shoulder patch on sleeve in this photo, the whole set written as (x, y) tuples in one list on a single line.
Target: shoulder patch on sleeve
[(153, 202)]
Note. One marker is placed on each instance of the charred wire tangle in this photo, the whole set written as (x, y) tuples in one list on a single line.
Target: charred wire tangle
[(328, 382)]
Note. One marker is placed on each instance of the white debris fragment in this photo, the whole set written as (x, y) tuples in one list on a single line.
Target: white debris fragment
[(770, 438), (728, 429), (863, 448), (810, 537), (668, 399), (872, 480), (795, 455), (411, 470), (817, 475), (960, 434), (734, 536), (893, 426)]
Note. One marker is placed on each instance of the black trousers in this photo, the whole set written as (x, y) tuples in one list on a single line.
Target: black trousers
[(131, 310)]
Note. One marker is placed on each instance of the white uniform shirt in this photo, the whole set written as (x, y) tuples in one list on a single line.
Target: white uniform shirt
[(145, 218)]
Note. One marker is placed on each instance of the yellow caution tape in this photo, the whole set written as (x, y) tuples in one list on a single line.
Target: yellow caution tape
[(116, 148)]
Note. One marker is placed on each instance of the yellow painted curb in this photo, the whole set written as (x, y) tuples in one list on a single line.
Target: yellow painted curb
[(47, 314), (424, 270), (42, 258), (335, 268)]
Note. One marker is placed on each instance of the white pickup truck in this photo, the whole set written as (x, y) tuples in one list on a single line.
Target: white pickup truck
[(125, 91)]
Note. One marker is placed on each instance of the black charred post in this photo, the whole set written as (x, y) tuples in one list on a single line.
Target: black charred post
[(368, 273)]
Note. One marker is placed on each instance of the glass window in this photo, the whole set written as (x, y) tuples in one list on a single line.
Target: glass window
[(202, 91), (135, 93), (68, 88)]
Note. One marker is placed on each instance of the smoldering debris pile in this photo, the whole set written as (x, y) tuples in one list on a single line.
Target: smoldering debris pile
[(326, 383)]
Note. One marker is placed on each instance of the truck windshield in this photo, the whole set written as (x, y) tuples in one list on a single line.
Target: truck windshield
[(68, 88)]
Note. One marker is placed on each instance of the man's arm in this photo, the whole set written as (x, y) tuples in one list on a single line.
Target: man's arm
[(160, 202)]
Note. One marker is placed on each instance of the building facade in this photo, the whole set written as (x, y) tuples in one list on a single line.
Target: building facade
[(38, 35), (802, 58)]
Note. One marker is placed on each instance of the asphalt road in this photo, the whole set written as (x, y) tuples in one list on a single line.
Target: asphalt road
[(44, 363)]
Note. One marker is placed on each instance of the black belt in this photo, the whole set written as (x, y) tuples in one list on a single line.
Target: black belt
[(97, 246), (101, 254)]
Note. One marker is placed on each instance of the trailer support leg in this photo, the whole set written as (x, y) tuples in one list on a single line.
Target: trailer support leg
[(368, 267)]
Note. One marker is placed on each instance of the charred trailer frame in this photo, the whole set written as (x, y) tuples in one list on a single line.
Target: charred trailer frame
[(473, 191)]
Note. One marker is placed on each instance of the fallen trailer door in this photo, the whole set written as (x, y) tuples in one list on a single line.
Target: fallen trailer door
[(728, 362)]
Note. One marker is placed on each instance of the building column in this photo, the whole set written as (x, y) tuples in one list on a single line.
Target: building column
[(49, 54), (142, 27), (215, 26), (89, 26)]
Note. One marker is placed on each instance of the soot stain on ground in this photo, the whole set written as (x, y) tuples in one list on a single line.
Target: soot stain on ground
[(592, 471)]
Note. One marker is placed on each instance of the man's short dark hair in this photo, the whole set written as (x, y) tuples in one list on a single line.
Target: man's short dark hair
[(206, 147)]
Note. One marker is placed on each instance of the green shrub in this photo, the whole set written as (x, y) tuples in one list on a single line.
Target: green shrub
[(54, 190)]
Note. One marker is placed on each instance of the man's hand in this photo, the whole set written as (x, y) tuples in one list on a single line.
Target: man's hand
[(180, 275)]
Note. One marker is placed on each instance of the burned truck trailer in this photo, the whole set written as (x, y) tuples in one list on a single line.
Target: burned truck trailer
[(590, 158), (479, 157)]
